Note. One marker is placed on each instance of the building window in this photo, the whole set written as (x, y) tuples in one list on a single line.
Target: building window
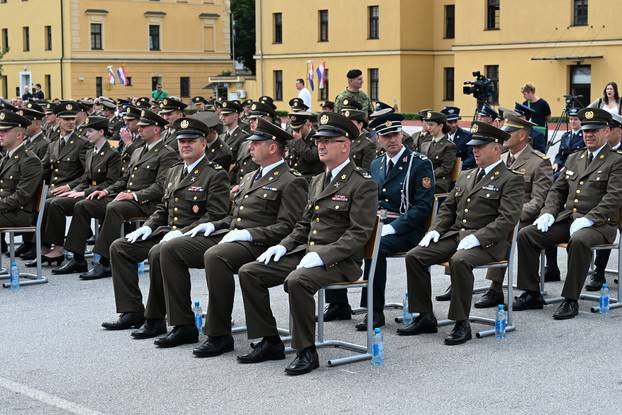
[(323, 21), (373, 84), (99, 90), (5, 85), (128, 81), (184, 86), (373, 14), (581, 82), (579, 13), (96, 37), (154, 37), (450, 21), (277, 21), (48, 37), (492, 73), (449, 84), (48, 86), (26, 38), (5, 40), (278, 85), (324, 95), (493, 15)]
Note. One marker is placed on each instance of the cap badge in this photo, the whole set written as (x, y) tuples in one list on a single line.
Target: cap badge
[(429, 115), (142, 113), (324, 119), (474, 128), (589, 115), (346, 113), (69, 107), (184, 124), (345, 102), (20, 112), (2, 115), (224, 104), (165, 102), (254, 107), (388, 123), (29, 105)]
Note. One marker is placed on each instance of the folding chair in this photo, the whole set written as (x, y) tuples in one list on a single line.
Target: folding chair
[(37, 278), (363, 351)]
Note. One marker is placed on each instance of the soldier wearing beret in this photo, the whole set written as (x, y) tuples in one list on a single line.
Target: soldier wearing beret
[(581, 209), (354, 92), (171, 110), (267, 204), (217, 150), (362, 150), (103, 167), (36, 140), (471, 228), (439, 150), (233, 134), (134, 195), (195, 191), (405, 182), (302, 152), (20, 172), (326, 246), (459, 137)]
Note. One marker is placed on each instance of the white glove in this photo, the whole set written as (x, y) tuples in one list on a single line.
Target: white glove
[(143, 232), (206, 228), (580, 223), (171, 235), (236, 235), (277, 251), (387, 230), (544, 222), (310, 260), (430, 236), (468, 242)]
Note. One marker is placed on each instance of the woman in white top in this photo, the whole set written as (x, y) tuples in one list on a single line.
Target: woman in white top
[(610, 101)]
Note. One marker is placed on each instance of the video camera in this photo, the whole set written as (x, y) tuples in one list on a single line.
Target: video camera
[(573, 101), (481, 89)]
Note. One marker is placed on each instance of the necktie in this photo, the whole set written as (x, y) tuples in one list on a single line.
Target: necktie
[(327, 179), (257, 176), (511, 160), (480, 175), (62, 143), (184, 173), (590, 157), (390, 167)]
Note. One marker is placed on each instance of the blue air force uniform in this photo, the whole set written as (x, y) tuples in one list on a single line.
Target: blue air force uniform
[(570, 142), (460, 138)]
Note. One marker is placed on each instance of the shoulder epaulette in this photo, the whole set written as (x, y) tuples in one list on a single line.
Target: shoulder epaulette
[(540, 154), (362, 172), (177, 164), (296, 173)]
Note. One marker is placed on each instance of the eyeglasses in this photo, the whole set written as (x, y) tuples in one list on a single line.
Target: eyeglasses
[(324, 140)]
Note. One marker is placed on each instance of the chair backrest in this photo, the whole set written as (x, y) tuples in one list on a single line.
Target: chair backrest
[(435, 205), (455, 172), (42, 193), (374, 239)]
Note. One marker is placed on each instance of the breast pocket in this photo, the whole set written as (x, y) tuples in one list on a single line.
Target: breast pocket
[(599, 179)]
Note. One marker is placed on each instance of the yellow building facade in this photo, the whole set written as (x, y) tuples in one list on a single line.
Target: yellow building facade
[(417, 53), (68, 45)]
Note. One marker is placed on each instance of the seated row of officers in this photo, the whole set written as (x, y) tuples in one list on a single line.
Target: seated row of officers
[(278, 225)]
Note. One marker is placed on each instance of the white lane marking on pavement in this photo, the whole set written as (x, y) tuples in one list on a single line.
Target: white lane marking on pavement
[(46, 398)]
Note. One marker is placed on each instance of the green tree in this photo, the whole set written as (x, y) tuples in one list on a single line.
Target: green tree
[(243, 30)]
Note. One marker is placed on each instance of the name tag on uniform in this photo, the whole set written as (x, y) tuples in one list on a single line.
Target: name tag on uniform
[(272, 189), (569, 172), (340, 198), (491, 188), (196, 189)]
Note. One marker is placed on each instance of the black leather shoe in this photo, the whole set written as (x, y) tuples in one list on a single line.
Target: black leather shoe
[(264, 350), (99, 271), (306, 360), (30, 254), (71, 267), (461, 333), (446, 296), (491, 298), (378, 321), (596, 280), (567, 309), (151, 328), (337, 312), (46, 259), (178, 336), (551, 273), (424, 323), (23, 248), (214, 346), (125, 321), (528, 301)]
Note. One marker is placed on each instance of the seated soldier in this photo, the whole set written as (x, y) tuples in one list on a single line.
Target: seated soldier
[(439, 150), (326, 246), (471, 229), (195, 191)]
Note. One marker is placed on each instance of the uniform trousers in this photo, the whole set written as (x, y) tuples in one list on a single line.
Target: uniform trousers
[(54, 219)]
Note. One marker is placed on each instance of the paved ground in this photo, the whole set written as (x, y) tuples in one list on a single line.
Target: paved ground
[(56, 359)]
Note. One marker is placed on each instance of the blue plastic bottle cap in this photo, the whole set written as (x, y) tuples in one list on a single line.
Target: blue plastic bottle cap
[(500, 306), (377, 330)]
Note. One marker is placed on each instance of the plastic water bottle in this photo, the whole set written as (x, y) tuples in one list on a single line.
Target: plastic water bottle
[(377, 348), (198, 316), (406, 314), (141, 268), (500, 323), (14, 276), (603, 307)]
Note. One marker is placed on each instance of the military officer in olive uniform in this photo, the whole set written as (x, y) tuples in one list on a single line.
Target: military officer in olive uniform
[(199, 103), (36, 141), (405, 196), (581, 209), (233, 134), (362, 150), (217, 150), (135, 195), (195, 191), (130, 137), (51, 128), (471, 228), (171, 110), (535, 168), (302, 152), (103, 167), (439, 150), (326, 246), (20, 172), (267, 204)]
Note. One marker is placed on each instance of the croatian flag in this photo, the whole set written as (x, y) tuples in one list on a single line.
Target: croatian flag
[(311, 77), (321, 78), (111, 76), (122, 76)]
